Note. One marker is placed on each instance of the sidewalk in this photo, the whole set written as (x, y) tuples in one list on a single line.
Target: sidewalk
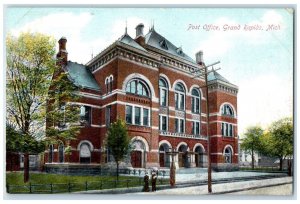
[(222, 188)]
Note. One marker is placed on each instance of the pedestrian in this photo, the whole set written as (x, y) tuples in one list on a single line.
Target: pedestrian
[(153, 180), (146, 183)]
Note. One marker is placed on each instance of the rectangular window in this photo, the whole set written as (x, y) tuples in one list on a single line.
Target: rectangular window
[(163, 97), (227, 129), (193, 130), (176, 101), (85, 115), (223, 129), (181, 99), (163, 123), (181, 126), (197, 130), (176, 125), (129, 114), (145, 117), (193, 105), (107, 116), (197, 105), (230, 130), (137, 115)]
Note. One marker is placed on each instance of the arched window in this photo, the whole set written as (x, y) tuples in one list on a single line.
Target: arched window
[(85, 153), (110, 83), (164, 158), (179, 97), (50, 153), (138, 155), (163, 92), (228, 155), (196, 101), (227, 110), (61, 153), (107, 85), (137, 87)]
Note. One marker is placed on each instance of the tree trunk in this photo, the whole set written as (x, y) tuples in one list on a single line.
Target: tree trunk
[(117, 171), (26, 167), (281, 164), (289, 167), (252, 159)]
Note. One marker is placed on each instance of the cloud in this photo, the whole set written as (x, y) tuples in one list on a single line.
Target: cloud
[(264, 99), (221, 42), (69, 25), (55, 23)]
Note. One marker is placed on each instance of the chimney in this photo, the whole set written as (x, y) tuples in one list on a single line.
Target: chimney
[(62, 55), (199, 57), (139, 30), (140, 39)]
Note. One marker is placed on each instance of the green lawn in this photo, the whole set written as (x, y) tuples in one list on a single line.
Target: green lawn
[(57, 183)]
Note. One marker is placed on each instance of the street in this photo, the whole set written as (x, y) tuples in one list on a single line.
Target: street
[(285, 189), (275, 186)]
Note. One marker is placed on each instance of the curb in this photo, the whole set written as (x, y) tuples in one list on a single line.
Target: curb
[(252, 188), (179, 185)]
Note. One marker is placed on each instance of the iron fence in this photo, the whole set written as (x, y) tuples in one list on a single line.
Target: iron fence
[(79, 186)]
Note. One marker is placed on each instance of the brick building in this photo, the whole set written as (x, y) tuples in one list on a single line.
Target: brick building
[(147, 82)]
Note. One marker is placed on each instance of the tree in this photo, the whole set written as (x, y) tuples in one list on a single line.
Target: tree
[(252, 141), (62, 117), (30, 65), (281, 139), (118, 141)]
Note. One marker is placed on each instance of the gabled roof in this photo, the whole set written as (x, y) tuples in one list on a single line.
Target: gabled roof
[(216, 76), (81, 76), (129, 41), (156, 40)]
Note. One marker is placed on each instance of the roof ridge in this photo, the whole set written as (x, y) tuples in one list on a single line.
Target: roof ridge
[(153, 38)]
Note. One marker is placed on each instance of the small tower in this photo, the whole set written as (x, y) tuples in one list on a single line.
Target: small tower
[(62, 55)]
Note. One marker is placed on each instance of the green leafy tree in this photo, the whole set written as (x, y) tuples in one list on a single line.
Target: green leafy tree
[(252, 141), (281, 140), (63, 118), (30, 66), (118, 141), (18, 142)]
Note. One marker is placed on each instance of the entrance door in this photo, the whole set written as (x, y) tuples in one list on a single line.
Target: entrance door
[(185, 159), (136, 159), (197, 159), (162, 159), (180, 160)]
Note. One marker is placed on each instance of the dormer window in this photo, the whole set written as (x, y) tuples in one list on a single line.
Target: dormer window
[(179, 51), (163, 44)]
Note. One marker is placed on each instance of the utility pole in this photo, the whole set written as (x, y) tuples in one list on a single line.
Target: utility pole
[(204, 72)]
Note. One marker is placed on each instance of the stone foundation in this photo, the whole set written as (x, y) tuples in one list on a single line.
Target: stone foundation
[(224, 167), (84, 169)]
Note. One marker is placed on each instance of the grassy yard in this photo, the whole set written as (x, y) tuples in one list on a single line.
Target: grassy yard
[(56, 183)]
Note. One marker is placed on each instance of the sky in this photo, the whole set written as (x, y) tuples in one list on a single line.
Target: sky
[(259, 62)]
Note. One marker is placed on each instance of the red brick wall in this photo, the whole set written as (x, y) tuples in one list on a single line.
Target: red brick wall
[(120, 69)]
